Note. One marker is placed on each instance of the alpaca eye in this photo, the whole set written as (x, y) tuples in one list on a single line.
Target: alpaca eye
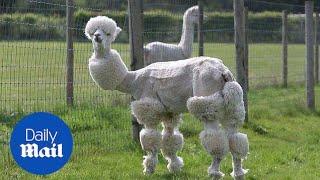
[(108, 34)]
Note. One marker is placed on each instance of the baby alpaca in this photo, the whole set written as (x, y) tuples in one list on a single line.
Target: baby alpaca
[(163, 91), (159, 52)]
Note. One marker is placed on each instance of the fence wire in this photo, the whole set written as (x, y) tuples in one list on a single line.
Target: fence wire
[(34, 50), (34, 55)]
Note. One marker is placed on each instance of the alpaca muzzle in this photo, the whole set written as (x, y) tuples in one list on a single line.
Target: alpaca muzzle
[(97, 38)]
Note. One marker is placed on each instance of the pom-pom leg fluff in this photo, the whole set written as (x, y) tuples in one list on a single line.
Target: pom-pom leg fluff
[(209, 110), (224, 107), (216, 144), (172, 141), (148, 112), (235, 114), (239, 147), (150, 142)]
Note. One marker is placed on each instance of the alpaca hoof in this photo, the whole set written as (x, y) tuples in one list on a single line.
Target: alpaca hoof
[(148, 171), (175, 165), (149, 164), (216, 175), (239, 175)]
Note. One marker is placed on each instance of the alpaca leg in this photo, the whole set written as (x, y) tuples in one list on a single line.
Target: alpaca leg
[(209, 110), (238, 142), (148, 112), (239, 148), (215, 141), (172, 141), (150, 140)]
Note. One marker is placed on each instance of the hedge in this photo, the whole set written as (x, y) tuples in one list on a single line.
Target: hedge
[(30, 26), (159, 25)]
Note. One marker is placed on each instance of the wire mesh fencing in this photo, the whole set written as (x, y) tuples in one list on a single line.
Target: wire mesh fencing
[(34, 49), (33, 76), (34, 56), (267, 68)]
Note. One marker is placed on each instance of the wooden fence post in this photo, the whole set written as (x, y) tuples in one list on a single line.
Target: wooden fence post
[(246, 52), (239, 27), (285, 48), (316, 43), (309, 54), (136, 48), (70, 56), (200, 28)]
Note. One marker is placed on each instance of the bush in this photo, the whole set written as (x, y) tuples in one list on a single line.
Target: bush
[(30, 26)]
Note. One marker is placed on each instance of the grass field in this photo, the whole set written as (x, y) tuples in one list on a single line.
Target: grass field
[(284, 135), (32, 74), (284, 139)]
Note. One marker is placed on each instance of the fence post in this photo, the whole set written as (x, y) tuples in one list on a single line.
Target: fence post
[(246, 53), (200, 28), (309, 54), (239, 37), (285, 48), (316, 43), (136, 48), (70, 56)]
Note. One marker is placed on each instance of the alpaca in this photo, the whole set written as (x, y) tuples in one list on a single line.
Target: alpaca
[(162, 91), (159, 51)]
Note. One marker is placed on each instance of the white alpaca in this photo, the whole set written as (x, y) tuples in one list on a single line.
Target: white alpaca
[(160, 52), (164, 90)]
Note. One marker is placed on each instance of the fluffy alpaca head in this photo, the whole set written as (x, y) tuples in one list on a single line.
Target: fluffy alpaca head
[(192, 14), (102, 30)]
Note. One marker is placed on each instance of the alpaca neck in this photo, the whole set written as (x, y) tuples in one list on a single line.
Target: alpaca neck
[(127, 85), (107, 68), (101, 50), (187, 37)]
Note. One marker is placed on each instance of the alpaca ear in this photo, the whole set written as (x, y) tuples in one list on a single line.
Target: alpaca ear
[(116, 33), (87, 35)]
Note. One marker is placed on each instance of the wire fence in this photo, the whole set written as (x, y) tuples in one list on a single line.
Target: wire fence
[(33, 61), (34, 50), (34, 58), (270, 58)]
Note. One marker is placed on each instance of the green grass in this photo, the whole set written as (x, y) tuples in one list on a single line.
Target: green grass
[(32, 74), (284, 142)]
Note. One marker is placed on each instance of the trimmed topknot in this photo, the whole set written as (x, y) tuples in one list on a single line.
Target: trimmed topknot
[(101, 22)]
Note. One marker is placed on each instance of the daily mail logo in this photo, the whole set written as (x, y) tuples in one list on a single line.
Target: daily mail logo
[(41, 143), (33, 150)]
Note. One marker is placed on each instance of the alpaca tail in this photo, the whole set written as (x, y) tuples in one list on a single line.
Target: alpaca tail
[(228, 76), (231, 91)]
